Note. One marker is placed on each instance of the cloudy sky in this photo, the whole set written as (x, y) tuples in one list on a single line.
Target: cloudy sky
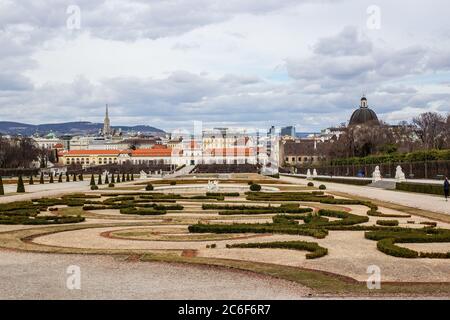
[(237, 62)]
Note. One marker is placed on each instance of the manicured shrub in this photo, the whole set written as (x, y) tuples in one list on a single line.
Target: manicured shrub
[(132, 177), (389, 223), (123, 177), (60, 178), (213, 246), (310, 184), (128, 177), (388, 246), (149, 187), (31, 182), (74, 177), (107, 179), (111, 185), (255, 187), (51, 178), (92, 183), (429, 223), (41, 180), (99, 181), (142, 212), (2, 190), (322, 187), (94, 187), (20, 185), (225, 194), (80, 177), (112, 178), (67, 177), (118, 178), (420, 188), (315, 250), (250, 183), (172, 183)]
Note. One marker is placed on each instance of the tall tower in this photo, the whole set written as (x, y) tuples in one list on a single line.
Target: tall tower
[(106, 124)]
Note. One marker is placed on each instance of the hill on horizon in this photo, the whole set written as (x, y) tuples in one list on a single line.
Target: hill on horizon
[(67, 128)]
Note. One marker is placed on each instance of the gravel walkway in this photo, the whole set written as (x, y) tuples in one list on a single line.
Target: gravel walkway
[(43, 276)]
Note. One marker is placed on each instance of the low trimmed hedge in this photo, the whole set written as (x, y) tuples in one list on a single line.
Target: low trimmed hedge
[(388, 238), (389, 223), (255, 187), (142, 212), (420, 188), (357, 182), (315, 251)]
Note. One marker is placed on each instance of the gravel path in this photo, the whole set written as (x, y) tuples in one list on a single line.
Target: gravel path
[(44, 276)]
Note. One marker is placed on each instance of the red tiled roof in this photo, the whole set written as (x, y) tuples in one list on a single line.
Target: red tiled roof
[(91, 152), (154, 152)]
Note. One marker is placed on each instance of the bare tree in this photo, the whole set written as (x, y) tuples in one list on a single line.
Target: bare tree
[(431, 129)]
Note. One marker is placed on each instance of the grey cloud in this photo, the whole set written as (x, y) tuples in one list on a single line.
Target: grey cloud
[(347, 43)]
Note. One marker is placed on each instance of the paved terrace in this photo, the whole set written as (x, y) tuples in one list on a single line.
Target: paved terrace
[(415, 200)]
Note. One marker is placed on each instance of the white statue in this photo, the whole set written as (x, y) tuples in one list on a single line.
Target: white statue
[(142, 175), (308, 174), (314, 173), (376, 175), (399, 174), (213, 186)]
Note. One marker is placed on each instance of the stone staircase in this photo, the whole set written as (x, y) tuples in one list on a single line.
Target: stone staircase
[(183, 171), (383, 184)]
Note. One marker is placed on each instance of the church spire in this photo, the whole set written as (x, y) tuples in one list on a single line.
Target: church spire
[(106, 123)]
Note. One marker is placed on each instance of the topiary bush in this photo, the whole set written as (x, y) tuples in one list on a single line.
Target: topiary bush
[(255, 187), (172, 183), (149, 187), (20, 185), (94, 187), (111, 185), (310, 184), (2, 190), (322, 187)]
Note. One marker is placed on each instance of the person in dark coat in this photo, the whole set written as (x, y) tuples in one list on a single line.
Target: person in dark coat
[(446, 188)]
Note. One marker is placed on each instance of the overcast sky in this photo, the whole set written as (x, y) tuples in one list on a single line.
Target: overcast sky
[(252, 63)]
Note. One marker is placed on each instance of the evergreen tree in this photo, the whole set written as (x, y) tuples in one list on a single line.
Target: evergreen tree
[(51, 178), (60, 177), (92, 183), (99, 182), (31, 180), (128, 177), (41, 180), (80, 177), (132, 177), (118, 177), (107, 180), (123, 177), (20, 185), (74, 177), (112, 178), (67, 177), (2, 190)]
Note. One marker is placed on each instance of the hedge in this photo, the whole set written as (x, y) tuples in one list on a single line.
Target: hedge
[(358, 182), (389, 223), (142, 212), (255, 187), (420, 188), (315, 250), (388, 239)]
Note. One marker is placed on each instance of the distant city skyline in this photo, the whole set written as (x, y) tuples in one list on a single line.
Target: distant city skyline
[(233, 64)]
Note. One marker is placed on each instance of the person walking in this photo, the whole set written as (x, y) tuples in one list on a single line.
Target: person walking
[(446, 188)]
